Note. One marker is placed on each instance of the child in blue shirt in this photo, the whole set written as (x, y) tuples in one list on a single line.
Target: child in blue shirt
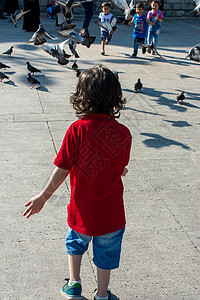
[(139, 22)]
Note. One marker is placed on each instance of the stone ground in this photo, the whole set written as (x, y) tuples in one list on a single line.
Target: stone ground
[(160, 256)]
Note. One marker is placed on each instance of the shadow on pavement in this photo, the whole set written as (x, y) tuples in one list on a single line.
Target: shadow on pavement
[(158, 141)]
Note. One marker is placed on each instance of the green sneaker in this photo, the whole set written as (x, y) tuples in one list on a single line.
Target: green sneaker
[(73, 291), (109, 295)]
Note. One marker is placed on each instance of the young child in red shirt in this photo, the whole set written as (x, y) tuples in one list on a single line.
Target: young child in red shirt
[(95, 152)]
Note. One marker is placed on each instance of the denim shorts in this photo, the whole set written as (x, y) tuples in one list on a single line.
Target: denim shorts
[(106, 248), (105, 34)]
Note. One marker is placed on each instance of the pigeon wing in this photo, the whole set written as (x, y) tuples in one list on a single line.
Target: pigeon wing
[(21, 14), (51, 36), (105, 25), (62, 3)]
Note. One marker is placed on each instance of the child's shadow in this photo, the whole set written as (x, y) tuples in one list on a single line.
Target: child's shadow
[(114, 297)]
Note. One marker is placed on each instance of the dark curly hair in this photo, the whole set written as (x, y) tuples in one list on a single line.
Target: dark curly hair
[(98, 91)]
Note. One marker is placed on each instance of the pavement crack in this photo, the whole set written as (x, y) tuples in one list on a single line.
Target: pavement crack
[(40, 100)]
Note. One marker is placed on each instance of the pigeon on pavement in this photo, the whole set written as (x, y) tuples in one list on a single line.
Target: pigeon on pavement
[(180, 98), (31, 69), (32, 80), (74, 66), (78, 72), (18, 15), (138, 86), (38, 38), (9, 51), (3, 76), (194, 53), (3, 66)]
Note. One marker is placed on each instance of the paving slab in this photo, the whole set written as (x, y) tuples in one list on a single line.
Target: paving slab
[(160, 254)]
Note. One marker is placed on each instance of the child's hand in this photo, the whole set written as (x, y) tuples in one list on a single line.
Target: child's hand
[(157, 17), (125, 172), (153, 23), (35, 204)]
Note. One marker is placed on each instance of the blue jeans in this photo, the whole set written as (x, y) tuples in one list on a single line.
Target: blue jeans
[(88, 6), (106, 248), (152, 36), (135, 44)]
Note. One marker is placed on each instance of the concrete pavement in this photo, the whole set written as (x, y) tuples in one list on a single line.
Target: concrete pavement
[(160, 256)]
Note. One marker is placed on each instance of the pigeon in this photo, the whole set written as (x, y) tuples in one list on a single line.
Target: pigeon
[(3, 76), (61, 59), (85, 34), (78, 72), (194, 53), (138, 86), (72, 47), (32, 80), (54, 51), (31, 68), (180, 98), (60, 48), (197, 8), (3, 66), (9, 51), (128, 10), (18, 15), (110, 27), (149, 48), (74, 66), (38, 38), (74, 35), (69, 4)]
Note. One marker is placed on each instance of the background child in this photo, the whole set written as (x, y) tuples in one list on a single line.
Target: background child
[(155, 17), (140, 28), (95, 151), (105, 16)]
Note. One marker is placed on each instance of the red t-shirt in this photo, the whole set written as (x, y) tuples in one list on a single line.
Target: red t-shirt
[(95, 149)]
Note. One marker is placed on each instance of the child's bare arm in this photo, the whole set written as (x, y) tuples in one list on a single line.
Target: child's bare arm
[(36, 203), (149, 22), (125, 172)]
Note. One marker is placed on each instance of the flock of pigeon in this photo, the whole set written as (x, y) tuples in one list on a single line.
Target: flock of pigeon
[(82, 37)]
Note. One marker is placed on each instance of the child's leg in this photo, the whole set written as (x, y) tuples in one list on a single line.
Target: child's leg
[(135, 47), (103, 277), (149, 37), (103, 45), (74, 266), (155, 38)]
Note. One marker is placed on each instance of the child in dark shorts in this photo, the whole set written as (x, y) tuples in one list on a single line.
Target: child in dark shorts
[(95, 152)]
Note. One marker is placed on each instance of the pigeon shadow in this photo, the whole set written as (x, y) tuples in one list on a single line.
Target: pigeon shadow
[(11, 82), (187, 76), (178, 123), (42, 89), (162, 100), (27, 47), (142, 111), (9, 73), (158, 141)]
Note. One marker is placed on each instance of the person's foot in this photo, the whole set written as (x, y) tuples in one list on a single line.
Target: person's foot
[(133, 55), (72, 291), (103, 53), (108, 294)]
